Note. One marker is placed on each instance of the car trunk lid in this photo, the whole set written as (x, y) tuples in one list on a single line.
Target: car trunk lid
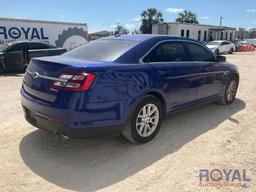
[(43, 72)]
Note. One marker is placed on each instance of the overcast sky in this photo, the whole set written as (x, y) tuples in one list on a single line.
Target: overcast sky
[(105, 14)]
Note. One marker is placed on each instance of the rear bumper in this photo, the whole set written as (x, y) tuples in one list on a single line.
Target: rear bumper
[(52, 125), (75, 111), (97, 119)]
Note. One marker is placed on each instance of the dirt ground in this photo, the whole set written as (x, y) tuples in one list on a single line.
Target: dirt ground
[(209, 137)]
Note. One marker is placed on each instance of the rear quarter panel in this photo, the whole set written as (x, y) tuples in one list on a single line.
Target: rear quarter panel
[(122, 86)]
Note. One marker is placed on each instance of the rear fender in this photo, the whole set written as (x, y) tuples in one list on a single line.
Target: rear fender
[(156, 93)]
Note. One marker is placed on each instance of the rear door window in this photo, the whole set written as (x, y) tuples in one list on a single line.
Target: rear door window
[(167, 52)]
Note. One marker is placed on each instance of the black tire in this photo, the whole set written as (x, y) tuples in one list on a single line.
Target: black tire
[(2, 69), (131, 133), (217, 52), (225, 100), (231, 51)]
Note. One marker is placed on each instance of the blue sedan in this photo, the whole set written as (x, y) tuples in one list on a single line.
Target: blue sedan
[(124, 85)]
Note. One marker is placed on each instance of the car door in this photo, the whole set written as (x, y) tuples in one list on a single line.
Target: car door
[(229, 46), (15, 57), (174, 73), (222, 47), (36, 49), (211, 78), (226, 46)]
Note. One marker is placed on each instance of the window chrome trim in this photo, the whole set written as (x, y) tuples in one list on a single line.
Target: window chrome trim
[(173, 40), (46, 77)]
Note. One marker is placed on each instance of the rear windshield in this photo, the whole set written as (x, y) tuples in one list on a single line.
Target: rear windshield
[(102, 49)]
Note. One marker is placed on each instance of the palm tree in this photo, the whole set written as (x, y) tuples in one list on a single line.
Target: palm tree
[(136, 31), (187, 17), (120, 29), (149, 17)]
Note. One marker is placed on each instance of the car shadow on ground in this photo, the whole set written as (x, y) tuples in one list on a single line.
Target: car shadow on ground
[(92, 164), (11, 74)]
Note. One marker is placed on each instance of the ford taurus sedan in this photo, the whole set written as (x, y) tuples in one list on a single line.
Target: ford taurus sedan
[(124, 85)]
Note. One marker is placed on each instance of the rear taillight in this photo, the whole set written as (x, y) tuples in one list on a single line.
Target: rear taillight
[(74, 81)]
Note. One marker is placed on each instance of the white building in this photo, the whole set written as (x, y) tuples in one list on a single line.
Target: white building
[(242, 34), (195, 31)]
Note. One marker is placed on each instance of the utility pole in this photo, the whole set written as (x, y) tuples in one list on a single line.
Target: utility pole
[(221, 18)]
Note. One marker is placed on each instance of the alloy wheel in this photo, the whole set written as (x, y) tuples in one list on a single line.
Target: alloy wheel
[(231, 90), (147, 120)]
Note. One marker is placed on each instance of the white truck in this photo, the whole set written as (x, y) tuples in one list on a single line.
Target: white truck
[(59, 34)]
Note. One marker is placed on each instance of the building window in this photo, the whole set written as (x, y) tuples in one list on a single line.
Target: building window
[(210, 36), (231, 37), (187, 34), (199, 36), (221, 36), (205, 35), (182, 33)]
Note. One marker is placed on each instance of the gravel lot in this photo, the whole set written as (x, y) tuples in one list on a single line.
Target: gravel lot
[(208, 137)]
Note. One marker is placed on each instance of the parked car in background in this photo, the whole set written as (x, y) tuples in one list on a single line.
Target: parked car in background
[(251, 41), (244, 46), (218, 47), (124, 85), (16, 56)]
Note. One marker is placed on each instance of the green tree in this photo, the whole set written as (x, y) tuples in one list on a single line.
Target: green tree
[(187, 17), (149, 17), (136, 32), (121, 29)]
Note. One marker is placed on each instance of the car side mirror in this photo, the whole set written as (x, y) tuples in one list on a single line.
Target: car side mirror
[(220, 58)]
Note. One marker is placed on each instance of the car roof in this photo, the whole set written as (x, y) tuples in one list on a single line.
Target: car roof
[(17, 42), (220, 41), (143, 37)]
